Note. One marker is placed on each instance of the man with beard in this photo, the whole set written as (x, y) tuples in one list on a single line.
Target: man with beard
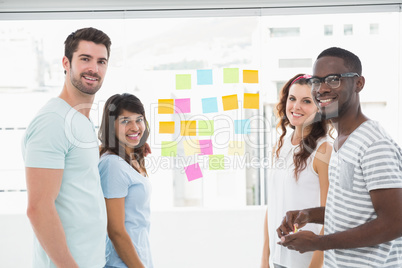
[(363, 213), (66, 207)]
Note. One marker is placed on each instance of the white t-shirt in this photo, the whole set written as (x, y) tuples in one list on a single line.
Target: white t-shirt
[(60, 137)]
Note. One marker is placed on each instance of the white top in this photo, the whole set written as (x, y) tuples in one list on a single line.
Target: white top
[(284, 194), (368, 160)]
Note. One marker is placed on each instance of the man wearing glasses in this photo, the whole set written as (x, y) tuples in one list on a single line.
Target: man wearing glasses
[(363, 213)]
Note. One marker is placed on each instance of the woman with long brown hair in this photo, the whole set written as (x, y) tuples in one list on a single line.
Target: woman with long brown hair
[(299, 177), (125, 183)]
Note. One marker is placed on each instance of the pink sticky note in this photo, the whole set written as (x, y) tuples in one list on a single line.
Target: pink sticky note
[(193, 172), (206, 147), (182, 106)]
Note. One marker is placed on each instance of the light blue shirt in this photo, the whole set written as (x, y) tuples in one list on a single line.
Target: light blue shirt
[(120, 180), (60, 137)]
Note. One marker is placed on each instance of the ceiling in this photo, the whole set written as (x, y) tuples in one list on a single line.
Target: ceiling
[(11, 6)]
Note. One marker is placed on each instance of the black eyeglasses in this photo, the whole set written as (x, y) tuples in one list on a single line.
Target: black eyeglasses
[(332, 80)]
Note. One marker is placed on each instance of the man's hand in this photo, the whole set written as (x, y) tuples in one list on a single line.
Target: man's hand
[(295, 218), (302, 241)]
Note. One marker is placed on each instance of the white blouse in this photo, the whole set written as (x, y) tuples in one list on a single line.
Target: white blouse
[(284, 194)]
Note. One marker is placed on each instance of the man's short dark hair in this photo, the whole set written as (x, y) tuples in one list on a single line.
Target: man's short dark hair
[(352, 62), (86, 34)]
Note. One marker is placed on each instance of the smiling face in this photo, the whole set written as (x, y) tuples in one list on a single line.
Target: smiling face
[(130, 128), (300, 107), (335, 102), (87, 67)]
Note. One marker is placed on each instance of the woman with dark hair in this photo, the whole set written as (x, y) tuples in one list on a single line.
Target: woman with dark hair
[(299, 177), (125, 183)]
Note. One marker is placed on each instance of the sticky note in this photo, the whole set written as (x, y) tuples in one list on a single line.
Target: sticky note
[(250, 76), (251, 101), (165, 106), (169, 148), (166, 127), (230, 102), (204, 77), (188, 128), (209, 105), (183, 81), (242, 126), (236, 148), (205, 127), (206, 147), (191, 147), (182, 105), (193, 172), (230, 75), (216, 162)]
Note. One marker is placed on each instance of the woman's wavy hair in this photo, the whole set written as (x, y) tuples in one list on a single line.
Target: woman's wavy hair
[(319, 127), (114, 107)]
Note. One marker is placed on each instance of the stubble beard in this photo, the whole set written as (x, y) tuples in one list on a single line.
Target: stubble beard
[(90, 90)]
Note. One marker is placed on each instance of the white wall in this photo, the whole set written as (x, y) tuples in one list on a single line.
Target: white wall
[(180, 238)]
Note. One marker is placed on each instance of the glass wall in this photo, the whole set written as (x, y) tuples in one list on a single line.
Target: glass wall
[(229, 69)]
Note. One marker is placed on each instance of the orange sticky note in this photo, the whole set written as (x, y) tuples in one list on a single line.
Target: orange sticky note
[(250, 76), (166, 127), (251, 101), (188, 128), (230, 102), (165, 106)]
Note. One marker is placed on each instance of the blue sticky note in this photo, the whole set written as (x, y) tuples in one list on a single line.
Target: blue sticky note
[(209, 105), (242, 126), (204, 77)]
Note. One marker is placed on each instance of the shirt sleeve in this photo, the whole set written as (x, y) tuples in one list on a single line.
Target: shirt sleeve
[(382, 166), (114, 179), (45, 144)]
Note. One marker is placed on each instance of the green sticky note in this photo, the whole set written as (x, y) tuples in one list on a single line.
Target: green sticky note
[(183, 81), (216, 162), (231, 75), (206, 127), (169, 148)]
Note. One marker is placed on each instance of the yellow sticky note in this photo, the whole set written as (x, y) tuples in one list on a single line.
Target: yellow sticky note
[(236, 148), (188, 128), (166, 106), (251, 101), (166, 127), (230, 102), (191, 147), (250, 76)]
